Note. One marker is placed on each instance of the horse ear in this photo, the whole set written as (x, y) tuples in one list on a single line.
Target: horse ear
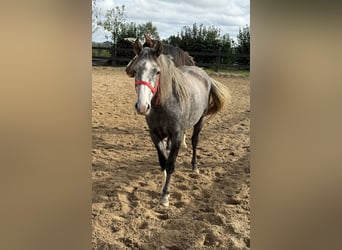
[(137, 47), (149, 41), (158, 47)]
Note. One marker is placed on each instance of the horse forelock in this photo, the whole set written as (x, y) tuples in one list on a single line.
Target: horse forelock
[(147, 54)]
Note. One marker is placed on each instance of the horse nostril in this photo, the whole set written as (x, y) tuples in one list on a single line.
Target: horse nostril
[(142, 109)]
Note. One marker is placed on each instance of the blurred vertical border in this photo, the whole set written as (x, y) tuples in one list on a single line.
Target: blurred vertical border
[(296, 153), (45, 128)]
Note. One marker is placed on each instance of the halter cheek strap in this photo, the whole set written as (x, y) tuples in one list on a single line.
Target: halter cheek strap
[(149, 85)]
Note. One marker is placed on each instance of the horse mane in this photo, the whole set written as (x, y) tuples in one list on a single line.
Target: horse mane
[(171, 79), (179, 56)]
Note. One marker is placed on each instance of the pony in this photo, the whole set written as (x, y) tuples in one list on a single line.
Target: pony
[(179, 57), (173, 99)]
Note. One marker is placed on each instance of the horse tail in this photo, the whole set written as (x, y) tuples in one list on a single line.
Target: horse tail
[(219, 96)]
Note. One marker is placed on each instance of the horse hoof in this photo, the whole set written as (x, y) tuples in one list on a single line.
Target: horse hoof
[(165, 204), (164, 201), (196, 170)]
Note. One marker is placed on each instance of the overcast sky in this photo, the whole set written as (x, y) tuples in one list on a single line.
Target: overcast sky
[(169, 16)]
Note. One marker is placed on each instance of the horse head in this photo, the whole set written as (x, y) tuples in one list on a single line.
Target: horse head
[(146, 71)]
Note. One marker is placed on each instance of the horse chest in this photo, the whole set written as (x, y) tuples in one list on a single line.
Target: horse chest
[(164, 120)]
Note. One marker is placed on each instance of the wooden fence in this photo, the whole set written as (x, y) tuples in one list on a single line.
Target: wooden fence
[(121, 56)]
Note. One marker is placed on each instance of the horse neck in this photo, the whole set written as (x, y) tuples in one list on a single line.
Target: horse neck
[(171, 80)]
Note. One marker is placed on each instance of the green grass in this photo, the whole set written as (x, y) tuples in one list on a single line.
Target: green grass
[(229, 72), (101, 53)]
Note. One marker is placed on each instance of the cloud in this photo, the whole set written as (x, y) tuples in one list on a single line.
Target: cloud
[(170, 16), (105, 4)]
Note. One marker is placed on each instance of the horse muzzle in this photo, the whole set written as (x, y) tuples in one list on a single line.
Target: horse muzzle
[(142, 109)]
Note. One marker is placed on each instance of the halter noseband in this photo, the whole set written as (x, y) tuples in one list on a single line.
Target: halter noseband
[(149, 85)]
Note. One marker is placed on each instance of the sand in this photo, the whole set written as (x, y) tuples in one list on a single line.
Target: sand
[(207, 211)]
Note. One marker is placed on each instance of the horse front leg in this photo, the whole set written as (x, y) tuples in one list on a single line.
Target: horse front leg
[(176, 141), (157, 140)]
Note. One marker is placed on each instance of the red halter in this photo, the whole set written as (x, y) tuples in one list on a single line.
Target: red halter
[(149, 85)]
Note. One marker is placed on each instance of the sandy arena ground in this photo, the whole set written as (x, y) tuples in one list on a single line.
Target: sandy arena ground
[(207, 211)]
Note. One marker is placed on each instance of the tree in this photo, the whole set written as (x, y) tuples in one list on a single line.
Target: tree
[(128, 30), (226, 48), (197, 38), (138, 31), (173, 40), (148, 28), (243, 45), (95, 17), (201, 38), (114, 22)]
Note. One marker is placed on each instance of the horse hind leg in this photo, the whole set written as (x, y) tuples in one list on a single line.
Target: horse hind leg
[(194, 141), (184, 141), (168, 143)]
